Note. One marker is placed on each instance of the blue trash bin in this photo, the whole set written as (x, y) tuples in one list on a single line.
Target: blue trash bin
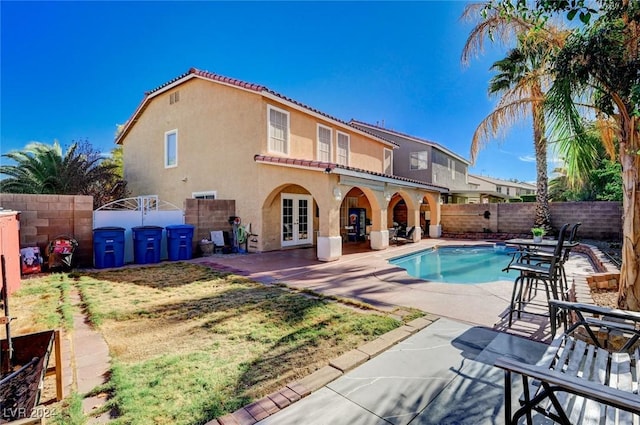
[(108, 247), (179, 241), (146, 244)]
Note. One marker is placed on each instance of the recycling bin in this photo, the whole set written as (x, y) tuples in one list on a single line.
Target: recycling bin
[(179, 241), (146, 244), (108, 247)]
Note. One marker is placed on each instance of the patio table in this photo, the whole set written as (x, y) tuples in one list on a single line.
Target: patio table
[(544, 243)]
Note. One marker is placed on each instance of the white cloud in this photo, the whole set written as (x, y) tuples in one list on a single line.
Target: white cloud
[(527, 158)]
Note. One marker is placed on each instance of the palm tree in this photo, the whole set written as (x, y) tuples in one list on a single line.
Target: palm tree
[(521, 80), (599, 66), (44, 169)]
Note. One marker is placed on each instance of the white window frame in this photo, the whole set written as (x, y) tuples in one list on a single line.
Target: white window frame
[(320, 143), (419, 161), (347, 150), (384, 164), (166, 148), (204, 195), (287, 140)]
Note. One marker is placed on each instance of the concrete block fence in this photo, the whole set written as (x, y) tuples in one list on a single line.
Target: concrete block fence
[(43, 217), (600, 220)]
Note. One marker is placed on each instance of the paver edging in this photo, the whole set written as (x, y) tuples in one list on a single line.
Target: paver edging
[(249, 414)]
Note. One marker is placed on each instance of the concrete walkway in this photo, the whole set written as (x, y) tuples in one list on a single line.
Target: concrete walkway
[(86, 363), (442, 375)]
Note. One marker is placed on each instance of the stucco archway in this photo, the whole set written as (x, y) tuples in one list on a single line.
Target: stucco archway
[(289, 218)]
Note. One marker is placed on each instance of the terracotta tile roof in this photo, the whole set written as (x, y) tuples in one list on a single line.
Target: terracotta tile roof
[(332, 166), (213, 77), (258, 88)]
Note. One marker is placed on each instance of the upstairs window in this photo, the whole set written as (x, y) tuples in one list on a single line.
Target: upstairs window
[(278, 130), (174, 97), (204, 195), (388, 162), (324, 143), (342, 153), (418, 161), (171, 149)]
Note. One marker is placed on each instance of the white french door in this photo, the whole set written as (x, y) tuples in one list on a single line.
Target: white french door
[(296, 219)]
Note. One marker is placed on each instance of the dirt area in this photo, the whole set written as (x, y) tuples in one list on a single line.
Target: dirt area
[(606, 298)]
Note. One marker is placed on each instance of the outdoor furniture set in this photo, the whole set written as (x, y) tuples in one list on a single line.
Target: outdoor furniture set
[(579, 379), (590, 374), (540, 262)]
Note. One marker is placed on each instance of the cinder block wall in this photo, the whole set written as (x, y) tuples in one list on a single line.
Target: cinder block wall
[(43, 217), (207, 215), (600, 220)]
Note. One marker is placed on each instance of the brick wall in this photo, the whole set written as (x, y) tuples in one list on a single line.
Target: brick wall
[(600, 220), (207, 215), (43, 217)]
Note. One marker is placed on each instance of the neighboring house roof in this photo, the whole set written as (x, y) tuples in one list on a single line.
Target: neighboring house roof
[(257, 88), (349, 171), (364, 125), (500, 182)]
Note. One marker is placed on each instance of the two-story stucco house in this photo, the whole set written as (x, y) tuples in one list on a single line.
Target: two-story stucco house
[(298, 175)]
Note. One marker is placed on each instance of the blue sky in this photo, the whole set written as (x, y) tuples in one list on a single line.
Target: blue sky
[(74, 70)]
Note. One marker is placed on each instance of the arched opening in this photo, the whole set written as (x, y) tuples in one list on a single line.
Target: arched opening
[(356, 214), (290, 218)]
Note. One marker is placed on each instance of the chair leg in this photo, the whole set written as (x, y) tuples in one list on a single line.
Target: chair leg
[(512, 304)]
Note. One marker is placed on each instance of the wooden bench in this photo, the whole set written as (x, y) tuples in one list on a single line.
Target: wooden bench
[(577, 381)]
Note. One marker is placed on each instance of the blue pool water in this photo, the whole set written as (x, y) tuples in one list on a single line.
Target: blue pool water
[(459, 264)]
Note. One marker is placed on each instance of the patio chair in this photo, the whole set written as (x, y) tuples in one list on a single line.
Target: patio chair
[(408, 236), (542, 255), (534, 273), (577, 381)]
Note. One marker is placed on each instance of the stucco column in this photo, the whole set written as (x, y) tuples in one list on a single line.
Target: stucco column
[(413, 219), (435, 228), (329, 248), (379, 235), (329, 239)]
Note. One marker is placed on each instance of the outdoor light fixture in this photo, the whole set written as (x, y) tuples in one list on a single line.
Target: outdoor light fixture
[(387, 196), (337, 194), (327, 170)]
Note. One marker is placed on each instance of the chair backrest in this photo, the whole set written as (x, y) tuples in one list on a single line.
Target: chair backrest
[(558, 250), (572, 238), (410, 232), (574, 232)]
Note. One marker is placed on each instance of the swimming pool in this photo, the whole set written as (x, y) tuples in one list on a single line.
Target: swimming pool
[(459, 264)]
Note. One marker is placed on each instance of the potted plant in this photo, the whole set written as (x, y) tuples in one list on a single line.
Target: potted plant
[(538, 233)]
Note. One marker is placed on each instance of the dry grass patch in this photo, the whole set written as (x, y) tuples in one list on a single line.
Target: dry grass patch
[(191, 344)]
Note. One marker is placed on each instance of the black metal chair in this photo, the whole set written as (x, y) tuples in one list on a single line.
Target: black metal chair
[(534, 273), (542, 255)]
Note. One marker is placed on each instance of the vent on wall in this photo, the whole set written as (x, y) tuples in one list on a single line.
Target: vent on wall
[(174, 97)]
